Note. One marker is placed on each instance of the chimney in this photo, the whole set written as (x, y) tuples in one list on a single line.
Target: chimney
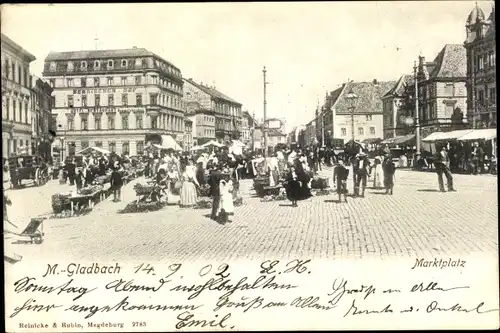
[(375, 82), (421, 60), (134, 47)]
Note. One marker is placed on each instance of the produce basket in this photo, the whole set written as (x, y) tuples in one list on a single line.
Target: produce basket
[(60, 202), (203, 203), (90, 189), (141, 207), (204, 190), (319, 183), (143, 189)]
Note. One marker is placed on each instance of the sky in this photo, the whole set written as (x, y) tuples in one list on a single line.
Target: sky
[(308, 48)]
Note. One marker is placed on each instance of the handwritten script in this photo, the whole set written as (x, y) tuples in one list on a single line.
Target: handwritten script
[(219, 296)]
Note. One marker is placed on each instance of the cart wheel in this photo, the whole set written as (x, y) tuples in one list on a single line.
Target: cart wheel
[(38, 240)]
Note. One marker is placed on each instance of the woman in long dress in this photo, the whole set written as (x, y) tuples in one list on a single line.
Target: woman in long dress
[(292, 186), (378, 173), (226, 206), (189, 184)]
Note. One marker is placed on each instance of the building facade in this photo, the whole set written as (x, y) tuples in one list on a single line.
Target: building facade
[(203, 118), (364, 122), (16, 98), (310, 133), (442, 90), (247, 128), (481, 69), (119, 100), (227, 112), (188, 134), (394, 111), (41, 118)]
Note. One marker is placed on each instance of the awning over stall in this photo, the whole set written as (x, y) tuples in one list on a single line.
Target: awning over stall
[(480, 134), (401, 140), (443, 136), (95, 149), (168, 142)]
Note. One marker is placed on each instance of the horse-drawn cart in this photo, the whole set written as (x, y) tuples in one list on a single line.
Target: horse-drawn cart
[(28, 167)]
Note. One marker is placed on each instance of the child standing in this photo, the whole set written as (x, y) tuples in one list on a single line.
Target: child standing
[(340, 174)]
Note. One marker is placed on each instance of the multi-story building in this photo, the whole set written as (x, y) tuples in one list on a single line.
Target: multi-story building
[(441, 89), (41, 117), (115, 99), (481, 69), (293, 136), (247, 128), (395, 113), (338, 115), (203, 121), (226, 111), (16, 98), (310, 135), (188, 133)]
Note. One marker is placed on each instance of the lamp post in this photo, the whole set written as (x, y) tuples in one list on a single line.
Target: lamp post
[(352, 99), (417, 115)]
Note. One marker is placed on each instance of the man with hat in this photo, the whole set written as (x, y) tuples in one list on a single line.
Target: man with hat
[(362, 170), (442, 164)]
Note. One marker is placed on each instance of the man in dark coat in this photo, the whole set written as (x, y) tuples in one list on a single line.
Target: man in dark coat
[(214, 182), (389, 169), (442, 164), (362, 170), (477, 159)]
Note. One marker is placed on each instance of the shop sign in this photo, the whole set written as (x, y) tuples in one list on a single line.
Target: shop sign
[(103, 91), (106, 110)]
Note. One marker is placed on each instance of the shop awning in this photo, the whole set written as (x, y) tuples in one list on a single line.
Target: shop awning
[(168, 142), (372, 140), (480, 134), (389, 140), (401, 140), (212, 143), (436, 136), (95, 149)]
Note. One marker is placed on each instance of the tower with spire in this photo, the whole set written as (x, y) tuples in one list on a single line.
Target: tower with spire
[(480, 44)]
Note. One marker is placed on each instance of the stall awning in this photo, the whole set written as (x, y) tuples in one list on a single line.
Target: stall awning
[(389, 140), (436, 136), (372, 140), (401, 140), (443, 136), (96, 149), (480, 134), (168, 142), (212, 143)]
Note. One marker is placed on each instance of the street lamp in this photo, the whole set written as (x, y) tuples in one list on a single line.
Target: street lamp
[(352, 99)]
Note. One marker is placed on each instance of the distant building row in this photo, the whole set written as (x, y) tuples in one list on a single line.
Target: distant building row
[(120, 100), (455, 90), (26, 103)]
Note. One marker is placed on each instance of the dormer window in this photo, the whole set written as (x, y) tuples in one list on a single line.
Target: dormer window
[(70, 66), (53, 66), (138, 62), (97, 65), (111, 64), (83, 65), (124, 63)]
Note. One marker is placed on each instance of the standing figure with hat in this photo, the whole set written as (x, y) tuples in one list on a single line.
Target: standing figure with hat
[(362, 171), (389, 169), (340, 174), (116, 181), (442, 164)]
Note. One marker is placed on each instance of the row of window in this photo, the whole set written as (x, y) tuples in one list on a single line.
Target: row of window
[(157, 122), (486, 96), (14, 144), (16, 72), (484, 61), (209, 132), (111, 64), (17, 111), (154, 99), (115, 81), (361, 131)]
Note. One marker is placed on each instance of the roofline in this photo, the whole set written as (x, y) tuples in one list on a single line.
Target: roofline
[(344, 86), (151, 54), (203, 88), (17, 47)]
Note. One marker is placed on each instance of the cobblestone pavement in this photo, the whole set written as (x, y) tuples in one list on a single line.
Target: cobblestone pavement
[(416, 221)]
